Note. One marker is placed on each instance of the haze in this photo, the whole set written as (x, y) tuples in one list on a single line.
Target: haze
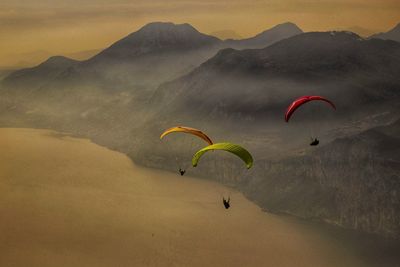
[(32, 30)]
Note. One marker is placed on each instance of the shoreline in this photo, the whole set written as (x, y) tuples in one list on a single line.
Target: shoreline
[(67, 200)]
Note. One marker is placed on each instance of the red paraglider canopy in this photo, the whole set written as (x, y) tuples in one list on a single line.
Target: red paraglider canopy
[(302, 100)]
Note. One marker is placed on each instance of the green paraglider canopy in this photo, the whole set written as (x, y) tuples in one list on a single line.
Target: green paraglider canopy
[(237, 150)]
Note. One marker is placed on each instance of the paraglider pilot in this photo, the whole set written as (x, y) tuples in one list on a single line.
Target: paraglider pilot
[(301, 101), (182, 172), (314, 142), (226, 202)]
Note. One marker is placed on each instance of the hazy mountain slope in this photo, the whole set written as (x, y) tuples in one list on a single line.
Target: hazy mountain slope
[(39, 75), (245, 93), (156, 37), (5, 72), (155, 53), (259, 84), (248, 91), (352, 182), (267, 37), (393, 34), (116, 82)]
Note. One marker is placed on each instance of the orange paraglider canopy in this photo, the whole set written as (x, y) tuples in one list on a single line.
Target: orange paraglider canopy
[(187, 130)]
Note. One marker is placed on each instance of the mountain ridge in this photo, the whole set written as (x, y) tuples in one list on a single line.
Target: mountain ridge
[(267, 37), (393, 34), (160, 51)]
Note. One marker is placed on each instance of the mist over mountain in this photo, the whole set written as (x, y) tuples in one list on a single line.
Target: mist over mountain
[(259, 83), (156, 37), (250, 89), (37, 76), (352, 181), (393, 34), (156, 53), (246, 92)]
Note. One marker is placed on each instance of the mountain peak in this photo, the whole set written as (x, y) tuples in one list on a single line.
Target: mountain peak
[(58, 60), (165, 33), (269, 36), (287, 24), (166, 26), (157, 36), (285, 28)]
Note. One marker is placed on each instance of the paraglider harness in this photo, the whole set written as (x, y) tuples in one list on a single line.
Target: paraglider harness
[(226, 202), (182, 172), (314, 142)]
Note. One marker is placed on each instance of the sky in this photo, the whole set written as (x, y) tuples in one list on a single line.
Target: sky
[(31, 30)]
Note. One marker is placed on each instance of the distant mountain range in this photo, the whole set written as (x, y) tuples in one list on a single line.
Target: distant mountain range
[(30, 59), (259, 83), (232, 39), (237, 90), (159, 52), (39, 75), (156, 53), (245, 93)]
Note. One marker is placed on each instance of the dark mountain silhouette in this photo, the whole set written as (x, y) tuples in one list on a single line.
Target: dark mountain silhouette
[(361, 31), (156, 53), (352, 181), (364, 32), (153, 54), (156, 37), (393, 34), (259, 83), (246, 92), (37, 76), (266, 38)]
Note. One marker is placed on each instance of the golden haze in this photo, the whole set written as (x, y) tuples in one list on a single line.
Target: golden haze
[(31, 30)]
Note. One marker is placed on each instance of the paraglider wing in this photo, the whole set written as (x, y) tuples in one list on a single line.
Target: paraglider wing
[(239, 151), (302, 100), (187, 130)]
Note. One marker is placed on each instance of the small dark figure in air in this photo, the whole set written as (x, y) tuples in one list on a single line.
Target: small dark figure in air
[(182, 172), (226, 202), (314, 142)]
